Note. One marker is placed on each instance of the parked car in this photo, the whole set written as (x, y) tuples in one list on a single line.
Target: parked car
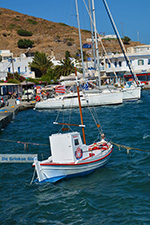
[(28, 95)]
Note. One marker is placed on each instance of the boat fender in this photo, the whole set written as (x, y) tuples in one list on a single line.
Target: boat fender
[(78, 153), (37, 98)]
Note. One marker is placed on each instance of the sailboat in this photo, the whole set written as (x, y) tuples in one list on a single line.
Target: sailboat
[(131, 92), (94, 97), (70, 156)]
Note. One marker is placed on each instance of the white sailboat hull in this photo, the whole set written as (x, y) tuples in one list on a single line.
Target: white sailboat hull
[(92, 99), (131, 94)]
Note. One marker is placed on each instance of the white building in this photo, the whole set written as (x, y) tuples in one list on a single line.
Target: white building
[(15, 64), (140, 62)]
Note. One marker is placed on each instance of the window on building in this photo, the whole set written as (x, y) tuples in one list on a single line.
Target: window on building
[(25, 69), (9, 69), (140, 62), (148, 61), (18, 69), (115, 64), (120, 63), (109, 65)]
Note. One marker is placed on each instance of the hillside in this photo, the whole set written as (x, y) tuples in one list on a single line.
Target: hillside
[(47, 36)]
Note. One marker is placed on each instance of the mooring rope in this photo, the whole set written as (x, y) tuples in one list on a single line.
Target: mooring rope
[(24, 143), (32, 177), (128, 148)]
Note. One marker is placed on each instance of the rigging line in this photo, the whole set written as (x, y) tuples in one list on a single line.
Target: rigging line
[(83, 17), (32, 177), (100, 40), (129, 148), (119, 40), (94, 120), (57, 116)]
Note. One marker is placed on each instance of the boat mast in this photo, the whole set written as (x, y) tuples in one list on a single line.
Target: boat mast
[(77, 12), (83, 133), (97, 54)]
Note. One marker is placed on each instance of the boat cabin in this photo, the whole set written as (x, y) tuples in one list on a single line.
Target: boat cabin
[(66, 148)]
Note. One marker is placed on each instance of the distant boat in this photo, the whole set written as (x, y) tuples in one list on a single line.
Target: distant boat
[(70, 157), (88, 98), (132, 93)]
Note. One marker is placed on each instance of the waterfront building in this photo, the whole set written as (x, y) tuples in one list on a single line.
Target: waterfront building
[(15, 64)]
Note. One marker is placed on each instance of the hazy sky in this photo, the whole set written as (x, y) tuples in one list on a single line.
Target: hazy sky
[(131, 16)]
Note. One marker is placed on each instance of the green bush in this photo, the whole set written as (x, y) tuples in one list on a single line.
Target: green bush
[(32, 21), (25, 43), (126, 40), (23, 32), (63, 24), (69, 43), (12, 25)]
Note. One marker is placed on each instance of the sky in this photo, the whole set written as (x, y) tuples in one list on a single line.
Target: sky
[(131, 16)]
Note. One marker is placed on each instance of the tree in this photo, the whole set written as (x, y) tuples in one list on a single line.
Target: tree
[(40, 64), (66, 68), (126, 40)]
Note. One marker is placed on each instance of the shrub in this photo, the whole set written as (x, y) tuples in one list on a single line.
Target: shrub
[(63, 24), (69, 43), (23, 32), (32, 21), (4, 34), (16, 19), (25, 43), (126, 40), (11, 26)]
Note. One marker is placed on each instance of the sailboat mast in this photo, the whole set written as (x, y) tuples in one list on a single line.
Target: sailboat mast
[(97, 54), (83, 133), (77, 12)]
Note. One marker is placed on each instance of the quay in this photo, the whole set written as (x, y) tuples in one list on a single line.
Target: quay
[(7, 113)]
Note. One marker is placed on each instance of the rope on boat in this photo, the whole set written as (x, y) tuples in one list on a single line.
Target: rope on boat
[(32, 177), (128, 148), (24, 143)]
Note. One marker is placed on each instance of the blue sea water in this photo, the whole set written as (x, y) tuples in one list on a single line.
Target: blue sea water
[(119, 193)]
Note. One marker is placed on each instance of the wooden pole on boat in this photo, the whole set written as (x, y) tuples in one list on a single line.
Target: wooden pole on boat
[(80, 107)]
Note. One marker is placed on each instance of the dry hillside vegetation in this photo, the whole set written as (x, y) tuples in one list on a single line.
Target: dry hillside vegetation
[(47, 36)]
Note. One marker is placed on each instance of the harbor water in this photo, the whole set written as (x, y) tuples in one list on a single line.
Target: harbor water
[(119, 193)]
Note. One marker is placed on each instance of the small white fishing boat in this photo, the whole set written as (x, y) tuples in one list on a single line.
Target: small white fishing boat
[(70, 157)]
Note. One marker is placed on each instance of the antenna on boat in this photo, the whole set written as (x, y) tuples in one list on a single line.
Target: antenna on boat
[(80, 107)]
